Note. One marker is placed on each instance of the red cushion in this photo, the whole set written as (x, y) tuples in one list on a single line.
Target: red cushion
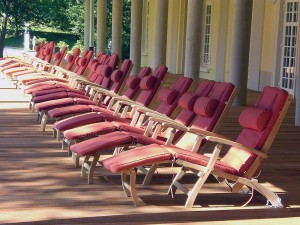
[(57, 55), (54, 104), (145, 155), (205, 106), (147, 82), (90, 130), (187, 101), (133, 81), (46, 51), (103, 70), (68, 110), (95, 145), (78, 120), (116, 76), (254, 118), (202, 160), (70, 58), (48, 97), (82, 61), (167, 95), (37, 48), (94, 66)]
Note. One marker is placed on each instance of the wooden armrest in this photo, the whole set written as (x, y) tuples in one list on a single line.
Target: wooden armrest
[(205, 133), (159, 116), (235, 144), (102, 90), (175, 125)]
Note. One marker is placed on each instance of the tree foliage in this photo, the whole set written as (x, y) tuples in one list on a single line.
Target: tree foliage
[(64, 15)]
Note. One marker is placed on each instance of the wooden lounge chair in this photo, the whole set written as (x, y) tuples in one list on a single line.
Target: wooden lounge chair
[(221, 95), (132, 87), (260, 125)]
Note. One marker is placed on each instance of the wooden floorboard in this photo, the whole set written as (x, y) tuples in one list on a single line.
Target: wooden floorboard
[(39, 184)]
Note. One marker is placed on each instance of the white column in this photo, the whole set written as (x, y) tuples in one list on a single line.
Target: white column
[(136, 34), (240, 45), (101, 25), (86, 24), (297, 87), (160, 33), (92, 16), (193, 39), (117, 15)]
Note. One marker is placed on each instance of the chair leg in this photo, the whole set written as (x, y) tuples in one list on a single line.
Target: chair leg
[(176, 184), (44, 122), (149, 174), (85, 167), (92, 168), (271, 196), (130, 188), (76, 159)]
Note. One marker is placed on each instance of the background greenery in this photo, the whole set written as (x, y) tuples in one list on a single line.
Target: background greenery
[(61, 21)]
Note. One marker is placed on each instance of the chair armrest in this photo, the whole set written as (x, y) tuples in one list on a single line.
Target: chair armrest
[(102, 90), (235, 144), (175, 125), (158, 117)]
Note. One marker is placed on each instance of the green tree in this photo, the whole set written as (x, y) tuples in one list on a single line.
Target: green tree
[(5, 6)]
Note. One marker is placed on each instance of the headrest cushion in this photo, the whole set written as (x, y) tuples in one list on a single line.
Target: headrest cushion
[(82, 61), (187, 101), (205, 106), (116, 76), (103, 70), (147, 82), (167, 95), (133, 81), (254, 118), (57, 55)]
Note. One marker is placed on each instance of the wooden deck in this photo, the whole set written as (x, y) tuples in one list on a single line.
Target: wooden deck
[(39, 184)]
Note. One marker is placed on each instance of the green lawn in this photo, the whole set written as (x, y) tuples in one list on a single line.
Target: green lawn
[(17, 41)]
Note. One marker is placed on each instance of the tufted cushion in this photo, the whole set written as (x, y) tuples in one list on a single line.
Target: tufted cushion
[(187, 101), (82, 61), (167, 95), (133, 81), (205, 106), (147, 82), (70, 58), (254, 118), (116, 76)]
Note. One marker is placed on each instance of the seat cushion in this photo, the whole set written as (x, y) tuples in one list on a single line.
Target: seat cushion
[(49, 97), (90, 130), (68, 110), (201, 160), (54, 104), (94, 145), (141, 156), (79, 120)]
